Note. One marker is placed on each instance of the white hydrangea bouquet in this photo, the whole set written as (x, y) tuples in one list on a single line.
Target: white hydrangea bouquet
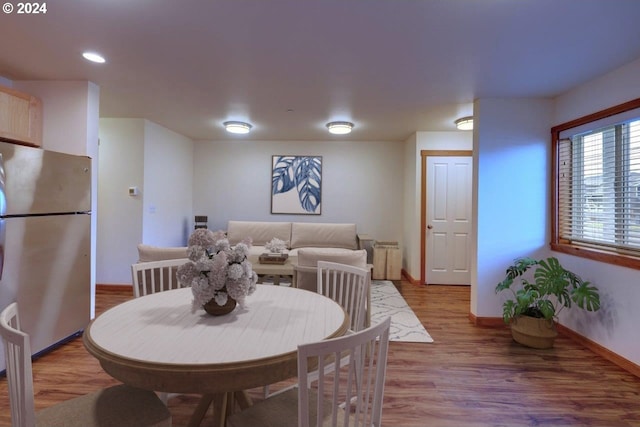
[(215, 270)]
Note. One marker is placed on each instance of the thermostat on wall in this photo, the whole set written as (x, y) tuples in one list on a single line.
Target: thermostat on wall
[(133, 191)]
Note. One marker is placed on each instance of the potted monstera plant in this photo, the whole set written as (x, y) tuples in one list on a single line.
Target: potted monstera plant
[(540, 289)]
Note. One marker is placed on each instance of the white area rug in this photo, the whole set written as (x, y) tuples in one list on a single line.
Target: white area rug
[(387, 301)]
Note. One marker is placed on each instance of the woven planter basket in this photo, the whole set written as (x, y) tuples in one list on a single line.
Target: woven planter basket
[(533, 332)]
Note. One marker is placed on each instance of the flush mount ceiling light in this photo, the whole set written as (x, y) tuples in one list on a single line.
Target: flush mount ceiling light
[(237, 127), (93, 57), (340, 128), (464, 123)]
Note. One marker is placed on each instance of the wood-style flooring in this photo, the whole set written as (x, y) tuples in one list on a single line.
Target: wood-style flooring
[(469, 376)]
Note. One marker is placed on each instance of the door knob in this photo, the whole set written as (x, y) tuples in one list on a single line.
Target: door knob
[(429, 226)]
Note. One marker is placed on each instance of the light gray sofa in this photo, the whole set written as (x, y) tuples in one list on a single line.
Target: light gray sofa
[(148, 253), (296, 235)]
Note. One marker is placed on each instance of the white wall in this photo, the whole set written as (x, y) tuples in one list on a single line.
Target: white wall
[(361, 183), (511, 198), (411, 203), (119, 215), (65, 116), (434, 141), (615, 326), (159, 162), (611, 89), (168, 187)]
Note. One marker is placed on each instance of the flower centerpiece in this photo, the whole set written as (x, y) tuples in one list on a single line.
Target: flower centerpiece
[(218, 274), (276, 246)]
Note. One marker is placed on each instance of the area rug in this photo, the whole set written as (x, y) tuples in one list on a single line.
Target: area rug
[(387, 301)]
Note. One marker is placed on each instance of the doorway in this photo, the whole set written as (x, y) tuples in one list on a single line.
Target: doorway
[(446, 217)]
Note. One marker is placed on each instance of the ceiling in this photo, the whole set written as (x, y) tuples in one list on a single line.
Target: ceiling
[(392, 67)]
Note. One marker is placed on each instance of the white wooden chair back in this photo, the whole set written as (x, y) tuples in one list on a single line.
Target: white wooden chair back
[(349, 286), (111, 407), (349, 396), (352, 394), (155, 276), (19, 371)]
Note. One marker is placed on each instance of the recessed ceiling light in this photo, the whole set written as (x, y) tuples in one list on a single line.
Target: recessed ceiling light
[(464, 123), (93, 57), (237, 127), (340, 128)]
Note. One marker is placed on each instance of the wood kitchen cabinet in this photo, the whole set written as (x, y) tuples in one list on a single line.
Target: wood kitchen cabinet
[(20, 117)]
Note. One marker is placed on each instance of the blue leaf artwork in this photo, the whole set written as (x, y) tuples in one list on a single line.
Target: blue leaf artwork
[(296, 184)]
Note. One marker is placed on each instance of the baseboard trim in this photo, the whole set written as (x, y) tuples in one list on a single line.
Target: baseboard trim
[(627, 365), (114, 287), (604, 352), (410, 279), (487, 322)]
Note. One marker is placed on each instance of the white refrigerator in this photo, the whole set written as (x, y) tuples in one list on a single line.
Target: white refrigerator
[(45, 242)]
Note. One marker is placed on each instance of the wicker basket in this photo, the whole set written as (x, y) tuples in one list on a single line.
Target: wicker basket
[(533, 332)]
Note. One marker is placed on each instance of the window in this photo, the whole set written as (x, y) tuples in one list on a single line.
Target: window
[(597, 186)]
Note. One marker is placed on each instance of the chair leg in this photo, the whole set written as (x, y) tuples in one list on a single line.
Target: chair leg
[(220, 409), (164, 397), (201, 410), (243, 399)]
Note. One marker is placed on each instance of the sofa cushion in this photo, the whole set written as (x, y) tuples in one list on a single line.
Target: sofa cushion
[(147, 253), (294, 252), (306, 268), (323, 235), (309, 257), (260, 232)]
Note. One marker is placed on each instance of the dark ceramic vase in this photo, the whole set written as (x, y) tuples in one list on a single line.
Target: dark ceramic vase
[(218, 310)]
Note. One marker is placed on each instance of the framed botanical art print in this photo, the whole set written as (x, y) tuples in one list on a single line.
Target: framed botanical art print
[(296, 185)]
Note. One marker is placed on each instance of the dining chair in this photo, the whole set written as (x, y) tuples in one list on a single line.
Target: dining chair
[(155, 276), (352, 395), (116, 406), (305, 269), (349, 286)]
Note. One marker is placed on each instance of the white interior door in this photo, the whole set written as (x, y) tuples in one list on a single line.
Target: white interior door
[(448, 219)]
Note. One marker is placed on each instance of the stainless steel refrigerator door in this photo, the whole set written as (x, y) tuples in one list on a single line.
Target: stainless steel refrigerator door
[(42, 182), (49, 276)]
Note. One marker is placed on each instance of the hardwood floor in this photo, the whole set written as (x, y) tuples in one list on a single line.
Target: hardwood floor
[(469, 376)]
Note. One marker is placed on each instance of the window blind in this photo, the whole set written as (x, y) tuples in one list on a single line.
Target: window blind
[(599, 185)]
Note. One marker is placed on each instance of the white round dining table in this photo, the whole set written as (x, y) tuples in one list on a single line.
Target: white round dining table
[(156, 342)]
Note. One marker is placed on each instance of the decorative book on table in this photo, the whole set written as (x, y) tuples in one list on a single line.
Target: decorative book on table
[(273, 258)]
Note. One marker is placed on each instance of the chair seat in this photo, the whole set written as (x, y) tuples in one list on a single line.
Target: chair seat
[(280, 410), (117, 406)]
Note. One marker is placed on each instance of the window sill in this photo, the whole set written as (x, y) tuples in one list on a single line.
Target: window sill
[(598, 255)]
